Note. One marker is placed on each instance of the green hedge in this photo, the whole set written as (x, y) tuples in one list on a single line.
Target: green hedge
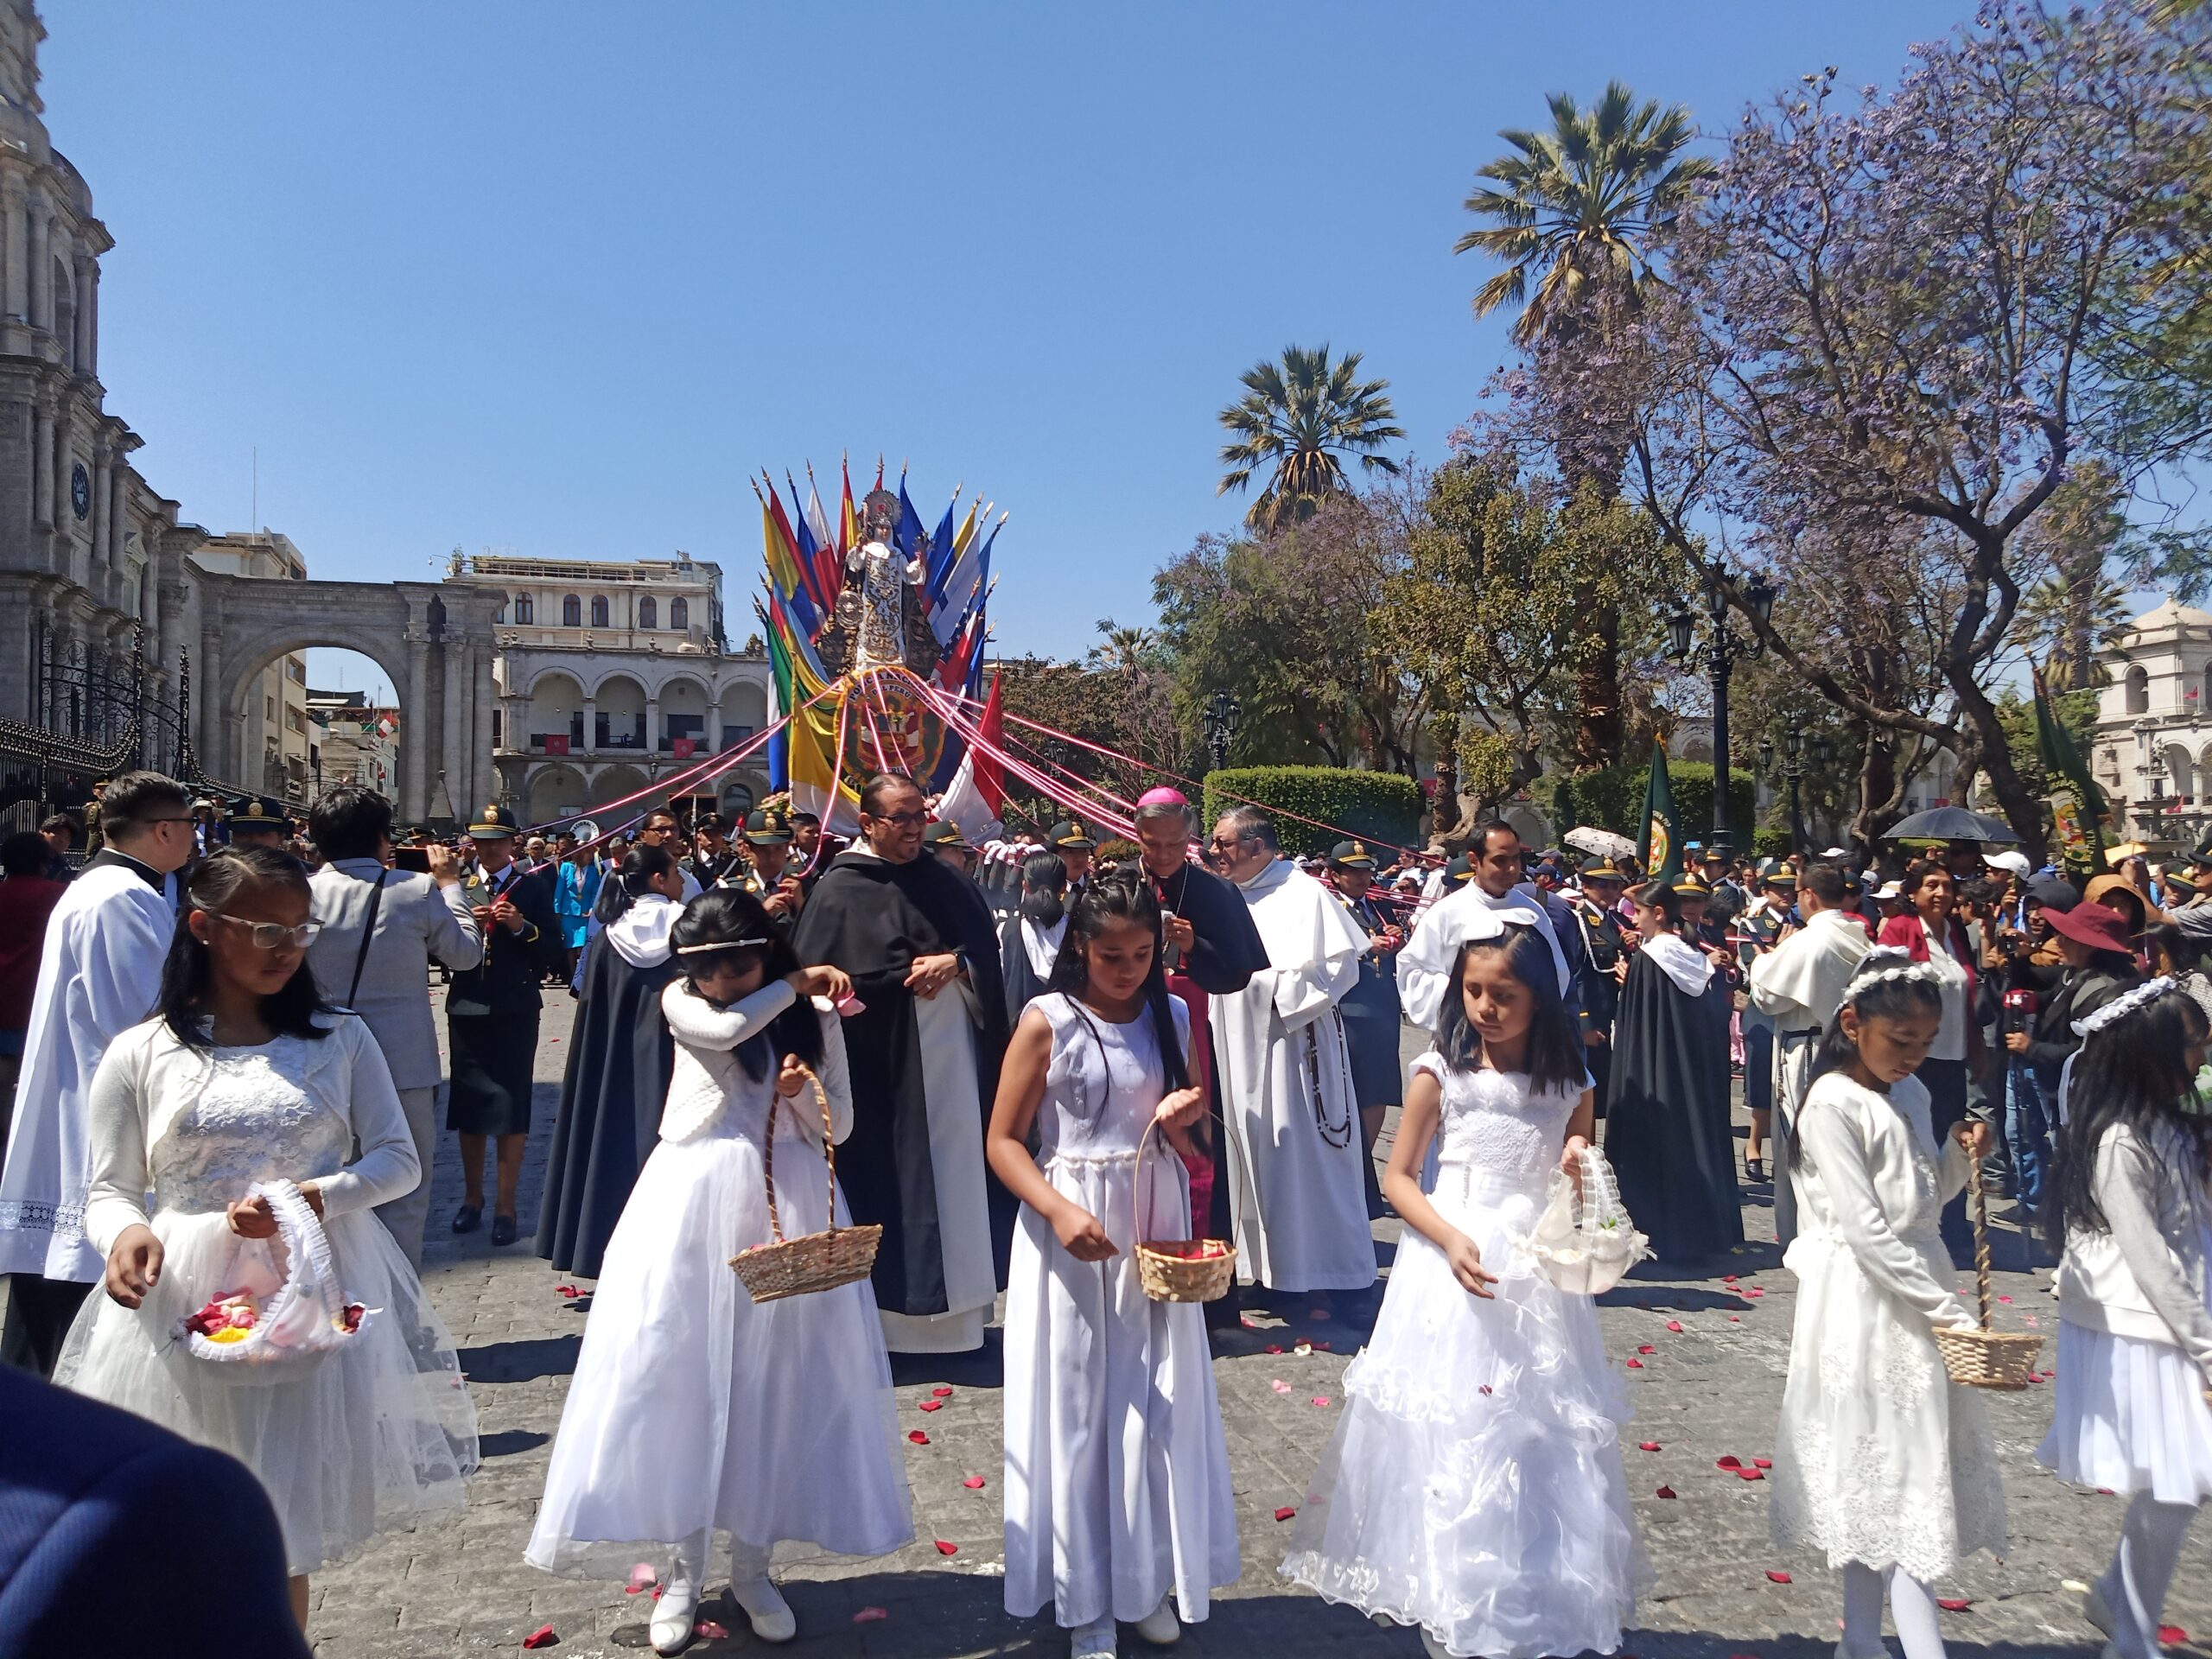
[(1612, 798), (1374, 805)]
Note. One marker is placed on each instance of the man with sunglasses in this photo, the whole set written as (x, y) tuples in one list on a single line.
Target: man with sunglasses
[(106, 942), (919, 943)]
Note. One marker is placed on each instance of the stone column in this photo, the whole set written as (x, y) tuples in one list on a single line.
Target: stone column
[(15, 261), (96, 553), (41, 272), (118, 514), (90, 365), (416, 740), (80, 344), (652, 725), (218, 718), (714, 735), (65, 449), (454, 686), (42, 467), (591, 724), (482, 702)]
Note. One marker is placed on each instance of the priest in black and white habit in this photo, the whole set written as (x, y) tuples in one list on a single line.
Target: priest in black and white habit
[(919, 941)]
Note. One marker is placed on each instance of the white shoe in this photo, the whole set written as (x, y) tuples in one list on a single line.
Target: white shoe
[(674, 1612), (772, 1616), (1094, 1640), (1161, 1627)]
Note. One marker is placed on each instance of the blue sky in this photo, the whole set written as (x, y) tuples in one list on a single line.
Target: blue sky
[(555, 279)]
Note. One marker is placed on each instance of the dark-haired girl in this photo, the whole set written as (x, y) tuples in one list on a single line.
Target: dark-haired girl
[(2132, 1211), (1667, 1125), (1474, 1487), (242, 1076), (619, 1059), (1117, 1488), (1880, 1463), (696, 1410), (1030, 935)]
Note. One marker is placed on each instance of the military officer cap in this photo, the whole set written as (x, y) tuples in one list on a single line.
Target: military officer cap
[(1690, 888), (1070, 837), (1603, 870), (1460, 869), (770, 827), (943, 832), (1776, 874), (1352, 855), (252, 812), (494, 822)]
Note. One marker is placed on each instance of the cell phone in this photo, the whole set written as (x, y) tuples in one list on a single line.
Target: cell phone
[(416, 859)]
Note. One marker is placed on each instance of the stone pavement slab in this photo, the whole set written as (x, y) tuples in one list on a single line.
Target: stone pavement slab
[(1711, 1388)]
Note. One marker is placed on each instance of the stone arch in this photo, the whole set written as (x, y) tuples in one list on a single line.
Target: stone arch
[(619, 697), (744, 703), (2137, 684), (556, 792), (2181, 771), (556, 709), (613, 784)]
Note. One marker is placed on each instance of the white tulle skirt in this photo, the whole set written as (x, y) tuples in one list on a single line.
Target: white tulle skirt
[(1475, 1485), (380, 1432), (696, 1410), (2131, 1416)]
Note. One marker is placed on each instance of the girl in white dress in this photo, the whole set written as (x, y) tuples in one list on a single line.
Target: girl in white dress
[(1117, 1487), (242, 1076), (695, 1409), (1880, 1463), (1474, 1486), (2134, 1217)]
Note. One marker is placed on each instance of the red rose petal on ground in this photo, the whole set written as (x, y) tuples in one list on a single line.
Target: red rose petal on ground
[(642, 1576), (869, 1615), (1731, 1461), (1636, 1364), (1676, 1325), (1646, 1348), (2004, 1298), (1773, 1577), (1279, 1385), (930, 1405), (1727, 1278), (941, 1392), (1664, 1491), (1762, 1462), (542, 1637), (943, 1549), (2171, 1636), (918, 1437), (1735, 1318), (974, 1482), (1648, 1445), (2104, 1492), (707, 1631), (1954, 1604), (1285, 1513), (1749, 1474), (1272, 1348), (1755, 1291), (1320, 1399)]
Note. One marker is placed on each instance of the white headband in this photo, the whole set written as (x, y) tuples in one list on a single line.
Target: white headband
[(2120, 1006), (1884, 963), (719, 945)]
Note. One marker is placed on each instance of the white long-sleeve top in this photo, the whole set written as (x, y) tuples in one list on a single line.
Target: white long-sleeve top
[(148, 1078), (2145, 1276), (707, 1079)]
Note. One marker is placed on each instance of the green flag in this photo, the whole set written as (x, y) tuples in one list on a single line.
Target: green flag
[(1659, 850), (2084, 835)]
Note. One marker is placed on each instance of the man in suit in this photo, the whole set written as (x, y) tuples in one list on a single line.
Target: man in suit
[(381, 930), (87, 1491), (491, 1018)]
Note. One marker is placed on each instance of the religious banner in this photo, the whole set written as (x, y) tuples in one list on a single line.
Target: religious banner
[(1659, 847)]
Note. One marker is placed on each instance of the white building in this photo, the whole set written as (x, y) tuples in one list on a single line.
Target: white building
[(2154, 750), (276, 743), (355, 742), (612, 676)]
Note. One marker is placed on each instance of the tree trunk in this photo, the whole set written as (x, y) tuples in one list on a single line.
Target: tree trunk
[(1877, 788), (1598, 728), (2021, 808)]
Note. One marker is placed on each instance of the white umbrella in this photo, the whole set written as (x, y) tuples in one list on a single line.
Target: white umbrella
[(1604, 842)]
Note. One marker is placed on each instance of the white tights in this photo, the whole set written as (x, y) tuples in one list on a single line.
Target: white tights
[(2134, 1586), (747, 1566), (1911, 1608)]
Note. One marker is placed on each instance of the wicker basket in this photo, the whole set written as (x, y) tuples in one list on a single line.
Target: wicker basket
[(823, 1260), (1978, 1356), (1180, 1269)]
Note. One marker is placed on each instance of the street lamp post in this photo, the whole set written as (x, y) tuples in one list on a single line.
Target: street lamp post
[(1793, 769), (1223, 713), (1721, 649)]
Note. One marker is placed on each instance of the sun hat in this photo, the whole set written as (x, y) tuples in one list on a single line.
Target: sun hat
[(2091, 924)]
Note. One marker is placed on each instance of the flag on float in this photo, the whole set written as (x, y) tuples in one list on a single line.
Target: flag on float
[(808, 550), (976, 795), (965, 581), (942, 552), (779, 671), (828, 557), (1659, 848), (908, 536), (848, 520)]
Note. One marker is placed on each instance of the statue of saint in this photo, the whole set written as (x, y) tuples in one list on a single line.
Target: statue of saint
[(886, 585)]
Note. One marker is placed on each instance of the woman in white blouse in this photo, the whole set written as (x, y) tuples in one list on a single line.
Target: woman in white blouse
[(244, 1084)]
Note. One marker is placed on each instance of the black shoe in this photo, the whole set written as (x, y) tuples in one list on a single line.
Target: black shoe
[(468, 1217), (1754, 1169), (503, 1230)]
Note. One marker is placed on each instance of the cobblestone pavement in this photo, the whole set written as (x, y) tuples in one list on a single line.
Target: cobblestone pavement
[(1711, 1388)]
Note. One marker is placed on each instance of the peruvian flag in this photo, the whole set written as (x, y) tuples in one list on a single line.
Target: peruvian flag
[(976, 794)]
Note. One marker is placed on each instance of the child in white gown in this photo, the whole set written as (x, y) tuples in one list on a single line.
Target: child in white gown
[(1475, 1486), (696, 1410)]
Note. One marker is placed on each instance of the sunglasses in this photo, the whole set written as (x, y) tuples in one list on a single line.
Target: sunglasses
[(274, 936)]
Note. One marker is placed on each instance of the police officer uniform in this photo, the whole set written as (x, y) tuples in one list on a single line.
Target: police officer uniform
[(1597, 992), (256, 821)]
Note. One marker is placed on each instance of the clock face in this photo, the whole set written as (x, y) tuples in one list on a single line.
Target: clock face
[(80, 490)]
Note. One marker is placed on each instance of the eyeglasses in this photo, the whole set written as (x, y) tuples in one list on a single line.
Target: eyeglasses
[(274, 936), (1226, 844), (901, 820)]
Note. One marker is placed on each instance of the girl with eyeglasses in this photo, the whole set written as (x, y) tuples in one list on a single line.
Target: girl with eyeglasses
[(243, 1075)]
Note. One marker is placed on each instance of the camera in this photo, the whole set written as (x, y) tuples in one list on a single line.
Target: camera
[(2020, 1011)]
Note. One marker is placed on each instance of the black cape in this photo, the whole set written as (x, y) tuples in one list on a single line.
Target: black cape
[(611, 1098), (1666, 1130), (873, 918), (1023, 986)]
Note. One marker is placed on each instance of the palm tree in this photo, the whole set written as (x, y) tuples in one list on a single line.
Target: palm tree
[(1298, 419), (1576, 214), (1123, 647), (2070, 617)]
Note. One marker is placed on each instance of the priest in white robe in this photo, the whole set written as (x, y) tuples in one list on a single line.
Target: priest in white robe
[(1424, 962), (98, 974), (1297, 1200), (1799, 984)]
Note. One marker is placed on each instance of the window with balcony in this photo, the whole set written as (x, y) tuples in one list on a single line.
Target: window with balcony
[(648, 614), (679, 614), (572, 612), (599, 610)]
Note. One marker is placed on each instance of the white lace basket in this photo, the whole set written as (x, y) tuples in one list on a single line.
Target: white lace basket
[(302, 1311), (1585, 1244)]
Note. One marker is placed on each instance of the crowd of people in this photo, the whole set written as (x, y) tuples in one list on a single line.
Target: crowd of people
[(1029, 1057)]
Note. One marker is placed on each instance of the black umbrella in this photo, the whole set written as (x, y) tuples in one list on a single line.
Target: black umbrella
[(1951, 823)]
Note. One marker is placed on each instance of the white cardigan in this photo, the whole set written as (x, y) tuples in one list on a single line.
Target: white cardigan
[(147, 1079), (706, 1077), (2144, 1278)]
